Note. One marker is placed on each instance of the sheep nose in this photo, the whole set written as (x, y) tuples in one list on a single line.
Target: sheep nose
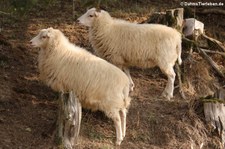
[(30, 42), (77, 21)]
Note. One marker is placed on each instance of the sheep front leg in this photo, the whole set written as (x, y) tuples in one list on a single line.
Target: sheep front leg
[(127, 72)]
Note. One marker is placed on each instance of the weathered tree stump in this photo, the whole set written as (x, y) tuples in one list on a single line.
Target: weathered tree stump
[(214, 111), (172, 18), (69, 119)]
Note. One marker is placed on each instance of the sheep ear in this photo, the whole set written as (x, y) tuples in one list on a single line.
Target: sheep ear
[(48, 34), (96, 14)]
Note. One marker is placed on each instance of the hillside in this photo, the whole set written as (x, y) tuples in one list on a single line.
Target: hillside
[(28, 109)]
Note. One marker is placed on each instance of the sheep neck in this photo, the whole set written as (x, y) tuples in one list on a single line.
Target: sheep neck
[(97, 33)]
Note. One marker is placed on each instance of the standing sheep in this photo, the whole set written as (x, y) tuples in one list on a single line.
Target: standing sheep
[(98, 84), (128, 44)]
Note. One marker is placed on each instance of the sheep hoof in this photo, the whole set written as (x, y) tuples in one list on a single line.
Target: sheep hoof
[(166, 95), (123, 137), (118, 142), (67, 144)]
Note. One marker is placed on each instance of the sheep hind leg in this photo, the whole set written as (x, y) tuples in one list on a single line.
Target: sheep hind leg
[(127, 72), (168, 91), (123, 116), (115, 116)]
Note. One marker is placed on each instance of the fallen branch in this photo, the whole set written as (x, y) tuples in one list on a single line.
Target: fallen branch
[(214, 52), (189, 41), (205, 56), (216, 42), (210, 61), (212, 40)]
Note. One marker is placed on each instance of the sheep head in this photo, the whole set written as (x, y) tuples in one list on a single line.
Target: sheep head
[(88, 18), (42, 39)]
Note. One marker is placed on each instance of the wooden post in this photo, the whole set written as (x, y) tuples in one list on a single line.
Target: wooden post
[(214, 111), (69, 119)]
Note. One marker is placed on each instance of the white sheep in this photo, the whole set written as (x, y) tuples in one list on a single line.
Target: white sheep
[(98, 84), (128, 44)]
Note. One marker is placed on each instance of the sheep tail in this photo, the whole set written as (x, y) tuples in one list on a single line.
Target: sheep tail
[(126, 97), (179, 49), (127, 102)]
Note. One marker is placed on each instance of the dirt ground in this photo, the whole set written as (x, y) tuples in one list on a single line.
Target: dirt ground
[(28, 109)]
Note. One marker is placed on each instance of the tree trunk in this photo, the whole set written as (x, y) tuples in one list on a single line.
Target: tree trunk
[(69, 119)]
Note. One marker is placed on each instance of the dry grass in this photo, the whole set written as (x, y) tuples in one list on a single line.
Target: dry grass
[(199, 81)]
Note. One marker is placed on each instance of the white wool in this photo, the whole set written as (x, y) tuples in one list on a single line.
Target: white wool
[(98, 84), (128, 44)]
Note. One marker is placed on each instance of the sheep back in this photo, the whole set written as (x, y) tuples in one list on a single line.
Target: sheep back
[(130, 44)]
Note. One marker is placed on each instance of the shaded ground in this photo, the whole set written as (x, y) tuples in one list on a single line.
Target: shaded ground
[(28, 109)]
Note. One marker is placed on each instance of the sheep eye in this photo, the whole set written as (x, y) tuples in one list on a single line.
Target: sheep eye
[(43, 37), (91, 16)]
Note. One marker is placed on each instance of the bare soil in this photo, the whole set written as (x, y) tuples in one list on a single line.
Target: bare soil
[(28, 109)]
